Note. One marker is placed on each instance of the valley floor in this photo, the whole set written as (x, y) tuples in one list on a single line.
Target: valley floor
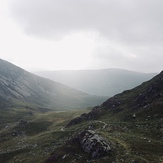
[(34, 138)]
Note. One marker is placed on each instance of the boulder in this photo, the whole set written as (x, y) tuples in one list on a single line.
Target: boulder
[(94, 144)]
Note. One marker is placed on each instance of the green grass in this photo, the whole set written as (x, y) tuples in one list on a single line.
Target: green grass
[(139, 141), (44, 133), (35, 139), (8, 156)]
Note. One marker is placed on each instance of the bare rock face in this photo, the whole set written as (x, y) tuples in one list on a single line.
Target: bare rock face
[(94, 144)]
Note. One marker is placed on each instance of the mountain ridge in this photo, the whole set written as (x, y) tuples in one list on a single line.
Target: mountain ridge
[(106, 82), (130, 102), (20, 86)]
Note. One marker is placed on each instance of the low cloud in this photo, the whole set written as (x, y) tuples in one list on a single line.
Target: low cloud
[(128, 21)]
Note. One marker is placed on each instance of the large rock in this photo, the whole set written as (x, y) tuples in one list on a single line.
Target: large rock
[(72, 151), (94, 144)]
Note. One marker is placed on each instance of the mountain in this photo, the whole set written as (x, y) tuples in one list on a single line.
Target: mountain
[(142, 101), (21, 88), (105, 82), (128, 127)]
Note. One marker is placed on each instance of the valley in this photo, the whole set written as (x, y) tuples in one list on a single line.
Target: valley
[(44, 121), (21, 88), (36, 138), (81, 81)]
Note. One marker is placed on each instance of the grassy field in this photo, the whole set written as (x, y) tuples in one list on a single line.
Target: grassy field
[(131, 142), (27, 136)]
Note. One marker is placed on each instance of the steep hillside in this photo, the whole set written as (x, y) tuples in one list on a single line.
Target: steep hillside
[(143, 101), (126, 128), (105, 82), (21, 88)]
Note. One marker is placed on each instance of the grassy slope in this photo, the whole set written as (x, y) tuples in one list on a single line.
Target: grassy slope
[(43, 134), (29, 137), (137, 139), (130, 141)]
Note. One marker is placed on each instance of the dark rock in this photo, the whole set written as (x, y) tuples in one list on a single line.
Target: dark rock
[(94, 144), (93, 115), (22, 122), (86, 141), (15, 134), (75, 121)]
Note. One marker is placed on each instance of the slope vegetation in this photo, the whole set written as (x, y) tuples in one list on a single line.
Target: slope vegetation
[(130, 124)]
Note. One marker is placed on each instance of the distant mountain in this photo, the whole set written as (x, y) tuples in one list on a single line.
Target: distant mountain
[(19, 87), (142, 102), (105, 82)]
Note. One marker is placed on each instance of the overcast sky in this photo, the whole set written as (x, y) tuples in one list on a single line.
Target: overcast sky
[(82, 34)]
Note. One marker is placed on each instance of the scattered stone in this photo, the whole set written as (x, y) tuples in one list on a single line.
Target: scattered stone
[(64, 157), (134, 116), (22, 122), (14, 134)]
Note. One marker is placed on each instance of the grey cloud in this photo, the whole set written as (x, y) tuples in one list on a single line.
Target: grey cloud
[(142, 58), (135, 24), (108, 54), (129, 21)]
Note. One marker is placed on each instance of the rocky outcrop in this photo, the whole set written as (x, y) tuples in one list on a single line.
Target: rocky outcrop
[(76, 148), (94, 144), (93, 115), (75, 121)]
